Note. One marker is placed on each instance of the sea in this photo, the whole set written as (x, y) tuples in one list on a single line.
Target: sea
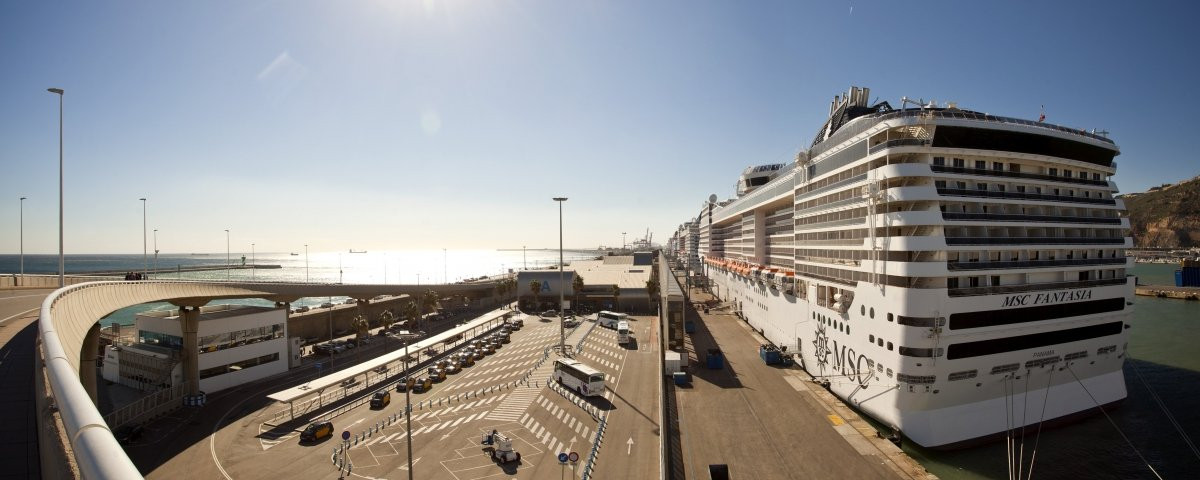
[(407, 267), (1144, 437)]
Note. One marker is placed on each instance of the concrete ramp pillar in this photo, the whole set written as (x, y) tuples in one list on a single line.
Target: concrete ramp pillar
[(189, 323), (87, 360)]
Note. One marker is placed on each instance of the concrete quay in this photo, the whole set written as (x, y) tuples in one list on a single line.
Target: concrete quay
[(765, 421), (1168, 291)]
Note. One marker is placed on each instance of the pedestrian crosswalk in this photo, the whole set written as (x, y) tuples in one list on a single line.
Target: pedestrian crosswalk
[(432, 427), (517, 402)]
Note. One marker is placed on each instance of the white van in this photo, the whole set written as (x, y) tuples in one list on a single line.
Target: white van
[(610, 319)]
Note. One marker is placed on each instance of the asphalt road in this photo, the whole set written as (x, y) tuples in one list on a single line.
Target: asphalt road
[(18, 419)]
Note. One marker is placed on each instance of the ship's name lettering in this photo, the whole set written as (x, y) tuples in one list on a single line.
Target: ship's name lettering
[(852, 365), (1046, 298)]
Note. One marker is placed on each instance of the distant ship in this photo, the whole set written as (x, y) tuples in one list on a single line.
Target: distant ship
[(357, 251), (938, 268), (294, 254)]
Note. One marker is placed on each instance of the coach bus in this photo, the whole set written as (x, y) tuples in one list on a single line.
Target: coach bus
[(576, 376)]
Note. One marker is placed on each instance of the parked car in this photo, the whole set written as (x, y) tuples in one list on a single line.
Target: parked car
[(326, 305), (549, 313), (423, 385), (437, 374), (405, 383), (381, 399), (316, 431), (128, 433), (301, 309)]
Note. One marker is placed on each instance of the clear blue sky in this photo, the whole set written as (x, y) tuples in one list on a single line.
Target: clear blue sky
[(410, 124)]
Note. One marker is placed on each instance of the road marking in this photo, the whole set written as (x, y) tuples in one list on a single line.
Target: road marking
[(836, 420), (2, 322), (629, 446)]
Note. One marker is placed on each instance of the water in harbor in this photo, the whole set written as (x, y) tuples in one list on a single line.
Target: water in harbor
[(381, 267), (1163, 349)]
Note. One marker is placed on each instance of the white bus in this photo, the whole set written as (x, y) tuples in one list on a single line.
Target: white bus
[(610, 319), (622, 332), (574, 375)]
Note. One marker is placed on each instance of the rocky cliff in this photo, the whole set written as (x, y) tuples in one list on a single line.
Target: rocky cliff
[(1166, 216)]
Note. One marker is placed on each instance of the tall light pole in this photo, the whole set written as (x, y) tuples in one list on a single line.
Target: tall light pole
[(61, 260), (145, 261), (407, 410), (524, 263), (445, 279), (22, 203), (228, 266), (306, 263), (622, 241), (156, 251), (252, 262), (562, 329)]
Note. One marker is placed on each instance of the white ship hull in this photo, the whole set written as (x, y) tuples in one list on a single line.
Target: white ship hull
[(943, 414)]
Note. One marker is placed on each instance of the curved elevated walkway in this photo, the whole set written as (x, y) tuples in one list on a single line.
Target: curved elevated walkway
[(68, 323)]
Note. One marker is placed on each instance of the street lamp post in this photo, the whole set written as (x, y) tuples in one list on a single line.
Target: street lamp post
[(306, 263), (524, 263), (228, 266), (562, 329), (22, 203), (61, 260), (622, 242), (145, 262), (407, 412), (252, 263), (156, 250), (445, 279)]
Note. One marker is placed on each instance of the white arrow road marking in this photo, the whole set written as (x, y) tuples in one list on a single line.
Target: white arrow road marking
[(405, 466), (629, 446)]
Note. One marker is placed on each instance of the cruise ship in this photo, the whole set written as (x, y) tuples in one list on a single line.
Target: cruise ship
[(953, 274)]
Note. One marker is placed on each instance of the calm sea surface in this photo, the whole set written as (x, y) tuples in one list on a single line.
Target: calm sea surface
[(391, 267), (1163, 348)]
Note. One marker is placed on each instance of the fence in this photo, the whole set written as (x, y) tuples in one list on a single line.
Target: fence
[(591, 461), (152, 405)]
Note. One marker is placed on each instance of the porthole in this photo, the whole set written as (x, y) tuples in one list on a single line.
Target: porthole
[(880, 341), (889, 346), (871, 338), (862, 309), (872, 312), (889, 317)]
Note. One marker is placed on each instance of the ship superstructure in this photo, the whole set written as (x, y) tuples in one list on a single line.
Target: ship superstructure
[(942, 269)]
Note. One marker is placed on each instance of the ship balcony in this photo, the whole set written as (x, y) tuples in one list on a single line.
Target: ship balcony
[(900, 142), (1079, 262), (912, 194), (909, 218), (1125, 242), (966, 192), (1022, 219), (897, 170), (1030, 287), (1011, 174)]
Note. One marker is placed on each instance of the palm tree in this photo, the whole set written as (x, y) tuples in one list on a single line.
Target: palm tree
[(360, 324), (652, 289), (616, 293), (536, 287), (413, 312), (576, 288), (387, 318)]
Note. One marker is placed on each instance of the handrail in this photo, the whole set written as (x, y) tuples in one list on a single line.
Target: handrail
[(966, 192), (1034, 241), (1011, 217), (952, 266), (1010, 174)]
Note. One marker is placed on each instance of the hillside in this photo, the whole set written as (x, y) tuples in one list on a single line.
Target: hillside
[(1166, 216)]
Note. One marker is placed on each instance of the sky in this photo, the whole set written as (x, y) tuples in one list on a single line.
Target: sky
[(452, 124)]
